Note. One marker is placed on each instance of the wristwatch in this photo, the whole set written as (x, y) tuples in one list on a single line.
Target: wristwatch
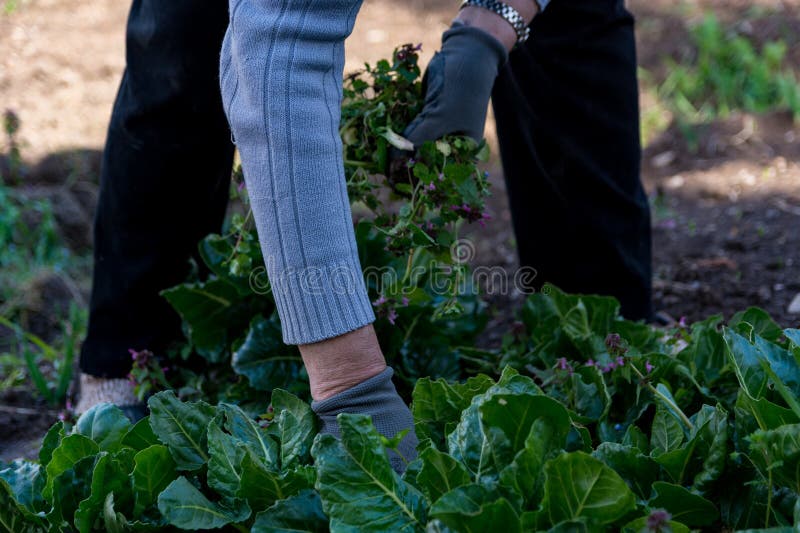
[(510, 14)]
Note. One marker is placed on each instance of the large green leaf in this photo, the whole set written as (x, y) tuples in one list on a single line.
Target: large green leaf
[(439, 473), (206, 309), (105, 424), (262, 487), (71, 487), (72, 449), (296, 427), (110, 476), (666, 434), (265, 360), (706, 353), (359, 489), (182, 428), (50, 442), (746, 363), (579, 486), (154, 470), (684, 506), (755, 321), (225, 462), (638, 470), (140, 435), (437, 405), (184, 506), (778, 450), (301, 513), (13, 517), (26, 481), (476, 509), (525, 473), (254, 437)]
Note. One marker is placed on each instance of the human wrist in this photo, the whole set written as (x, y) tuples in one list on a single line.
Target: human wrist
[(494, 24)]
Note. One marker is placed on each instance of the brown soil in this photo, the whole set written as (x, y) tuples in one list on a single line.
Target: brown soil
[(725, 210)]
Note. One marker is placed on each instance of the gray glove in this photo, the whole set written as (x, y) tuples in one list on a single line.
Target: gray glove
[(459, 83)]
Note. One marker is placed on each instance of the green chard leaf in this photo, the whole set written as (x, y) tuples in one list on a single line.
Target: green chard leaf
[(105, 424), (638, 470), (439, 473), (72, 486), (182, 428), (296, 426), (25, 481), (140, 436), (225, 462), (745, 360), (475, 509), (359, 489), (154, 470), (109, 477), (206, 309), (438, 404), (255, 438), (262, 487), (14, 518), (184, 506), (684, 506), (778, 450), (299, 513), (265, 360), (579, 486), (51, 441), (72, 449)]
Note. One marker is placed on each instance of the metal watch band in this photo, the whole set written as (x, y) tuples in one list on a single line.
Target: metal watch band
[(510, 14)]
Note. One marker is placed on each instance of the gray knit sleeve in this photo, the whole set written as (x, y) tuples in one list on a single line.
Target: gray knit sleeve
[(281, 79)]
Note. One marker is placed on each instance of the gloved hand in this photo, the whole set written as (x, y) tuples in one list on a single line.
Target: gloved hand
[(459, 82)]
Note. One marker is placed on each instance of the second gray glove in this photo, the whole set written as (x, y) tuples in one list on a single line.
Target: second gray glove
[(459, 82)]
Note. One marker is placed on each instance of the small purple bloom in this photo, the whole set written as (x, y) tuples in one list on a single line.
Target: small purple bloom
[(658, 519), (380, 301), (241, 186), (404, 301), (648, 366), (441, 176), (411, 162), (431, 187), (682, 322), (392, 316), (590, 362), (620, 361)]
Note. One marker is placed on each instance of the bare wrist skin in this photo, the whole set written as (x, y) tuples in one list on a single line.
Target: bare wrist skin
[(337, 364), (494, 24)]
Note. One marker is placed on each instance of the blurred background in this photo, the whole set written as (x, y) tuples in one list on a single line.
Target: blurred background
[(720, 108)]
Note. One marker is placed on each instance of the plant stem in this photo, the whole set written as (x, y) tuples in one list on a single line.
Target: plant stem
[(668, 401)]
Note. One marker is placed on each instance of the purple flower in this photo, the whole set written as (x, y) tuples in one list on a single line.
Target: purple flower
[(241, 186), (404, 301), (590, 362), (658, 519), (682, 322), (648, 366), (380, 301), (431, 187), (562, 363), (441, 176), (392, 316), (620, 361), (411, 162)]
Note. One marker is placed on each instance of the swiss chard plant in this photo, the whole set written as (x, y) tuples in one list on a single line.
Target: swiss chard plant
[(612, 426)]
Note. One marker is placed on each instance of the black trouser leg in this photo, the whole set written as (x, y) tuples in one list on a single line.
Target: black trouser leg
[(165, 177), (568, 123)]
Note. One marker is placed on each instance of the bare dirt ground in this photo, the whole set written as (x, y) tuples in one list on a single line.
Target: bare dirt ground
[(726, 212)]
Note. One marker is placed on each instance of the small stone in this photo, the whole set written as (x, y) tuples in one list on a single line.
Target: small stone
[(675, 182), (663, 159), (794, 307)]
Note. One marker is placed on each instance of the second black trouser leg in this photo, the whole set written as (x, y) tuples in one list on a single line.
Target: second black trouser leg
[(165, 177), (567, 115)]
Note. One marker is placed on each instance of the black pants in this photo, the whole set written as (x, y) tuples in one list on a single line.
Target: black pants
[(567, 118)]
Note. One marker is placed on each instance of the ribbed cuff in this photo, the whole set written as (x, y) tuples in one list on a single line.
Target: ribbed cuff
[(319, 303)]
